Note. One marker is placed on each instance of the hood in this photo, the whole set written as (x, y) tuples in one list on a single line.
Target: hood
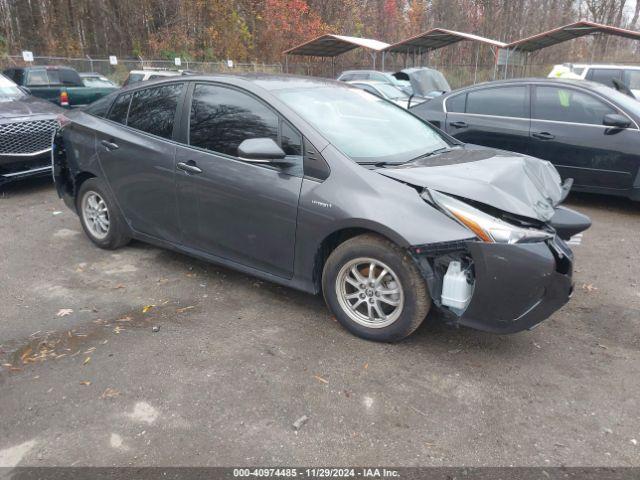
[(26, 106), (424, 81), (510, 182)]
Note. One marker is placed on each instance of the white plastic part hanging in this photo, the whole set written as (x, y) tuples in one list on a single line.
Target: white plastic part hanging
[(456, 289)]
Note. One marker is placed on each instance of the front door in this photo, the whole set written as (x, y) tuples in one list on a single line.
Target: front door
[(567, 130), (137, 157), (238, 210)]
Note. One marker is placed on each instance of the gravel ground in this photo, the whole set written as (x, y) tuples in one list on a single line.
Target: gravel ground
[(236, 361)]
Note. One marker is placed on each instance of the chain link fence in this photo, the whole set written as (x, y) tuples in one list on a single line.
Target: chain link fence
[(458, 75), (119, 72)]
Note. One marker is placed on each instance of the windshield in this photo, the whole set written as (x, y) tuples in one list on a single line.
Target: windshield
[(391, 92), (366, 128), (9, 90), (97, 82)]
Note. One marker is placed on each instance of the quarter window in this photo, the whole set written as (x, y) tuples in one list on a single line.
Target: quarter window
[(153, 109), (502, 101), (567, 105), (632, 79), (221, 118), (120, 108)]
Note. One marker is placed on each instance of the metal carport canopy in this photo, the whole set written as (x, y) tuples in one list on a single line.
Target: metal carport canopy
[(330, 45), (568, 32), (438, 38)]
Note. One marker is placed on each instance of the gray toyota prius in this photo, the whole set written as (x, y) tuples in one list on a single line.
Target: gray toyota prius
[(320, 186)]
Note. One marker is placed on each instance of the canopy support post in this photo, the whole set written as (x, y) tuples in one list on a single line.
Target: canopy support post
[(286, 63), (475, 72)]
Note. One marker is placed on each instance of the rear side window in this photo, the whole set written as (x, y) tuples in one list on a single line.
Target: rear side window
[(120, 108), (567, 105), (605, 75), (221, 118), (456, 104), (153, 110), (69, 77), (502, 101)]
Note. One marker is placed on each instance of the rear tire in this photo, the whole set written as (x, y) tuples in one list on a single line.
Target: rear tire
[(374, 289), (100, 217)]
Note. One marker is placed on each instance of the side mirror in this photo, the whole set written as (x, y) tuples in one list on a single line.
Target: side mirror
[(616, 120), (25, 90), (260, 150)]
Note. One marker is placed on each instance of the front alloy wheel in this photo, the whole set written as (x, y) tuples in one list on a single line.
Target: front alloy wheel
[(369, 292), (375, 289)]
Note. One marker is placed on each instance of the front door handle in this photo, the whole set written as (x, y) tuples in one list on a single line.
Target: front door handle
[(109, 145), (459, 124), (543, 135), (189, 167)]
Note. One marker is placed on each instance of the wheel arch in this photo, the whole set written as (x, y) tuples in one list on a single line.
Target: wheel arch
[(332, 240)]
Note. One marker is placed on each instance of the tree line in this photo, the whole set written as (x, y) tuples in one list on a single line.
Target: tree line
[(259, 30)]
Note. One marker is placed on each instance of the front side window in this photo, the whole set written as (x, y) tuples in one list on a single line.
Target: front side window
[(364, 127), (567, 105), (501, 101), (221, 118), (99, 107), (291, 140), (120, 109), (153, 109)]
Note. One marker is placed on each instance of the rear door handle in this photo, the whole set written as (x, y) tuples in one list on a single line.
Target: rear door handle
[(543, 135), (459, 124), (189, 167), (109, 145)]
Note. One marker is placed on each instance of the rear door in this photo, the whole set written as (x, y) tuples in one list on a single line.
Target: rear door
[(495, 117), (241, 211), (567, 130), (137, 154)]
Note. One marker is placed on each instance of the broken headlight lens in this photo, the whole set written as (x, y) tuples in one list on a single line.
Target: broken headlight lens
[(486, 227)]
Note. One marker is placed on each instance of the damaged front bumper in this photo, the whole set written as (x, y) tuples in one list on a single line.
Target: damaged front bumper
[(516, 286)]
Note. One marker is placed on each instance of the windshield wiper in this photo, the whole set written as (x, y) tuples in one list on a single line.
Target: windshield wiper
[(430, 154)]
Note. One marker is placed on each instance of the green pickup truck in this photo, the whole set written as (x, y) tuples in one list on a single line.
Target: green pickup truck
[(60, 85)]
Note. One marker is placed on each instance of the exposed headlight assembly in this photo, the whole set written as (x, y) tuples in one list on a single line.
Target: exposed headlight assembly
[(486, 228)]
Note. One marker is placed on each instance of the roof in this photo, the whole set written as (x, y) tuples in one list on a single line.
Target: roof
[(438, 38), (569, 32), (330, 45)]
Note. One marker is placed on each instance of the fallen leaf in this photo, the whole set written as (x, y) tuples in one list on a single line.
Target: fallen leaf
[(366, 365), (184, 309), (85, 382), (118, 286), (589, 287), (86, 360), (320, 379), (603, 346), (63, 312), (110, 393), (8, 365), (118, 329), (124, 319), (146, 308)]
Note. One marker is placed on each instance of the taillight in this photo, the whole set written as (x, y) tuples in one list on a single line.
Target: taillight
[(64, 99)]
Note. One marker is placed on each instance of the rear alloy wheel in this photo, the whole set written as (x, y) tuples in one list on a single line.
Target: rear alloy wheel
[(95, 214), (374, 289), (99, 215)]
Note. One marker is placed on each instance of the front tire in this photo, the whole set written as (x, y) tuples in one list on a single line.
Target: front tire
[(100, 217), (374, 289)]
